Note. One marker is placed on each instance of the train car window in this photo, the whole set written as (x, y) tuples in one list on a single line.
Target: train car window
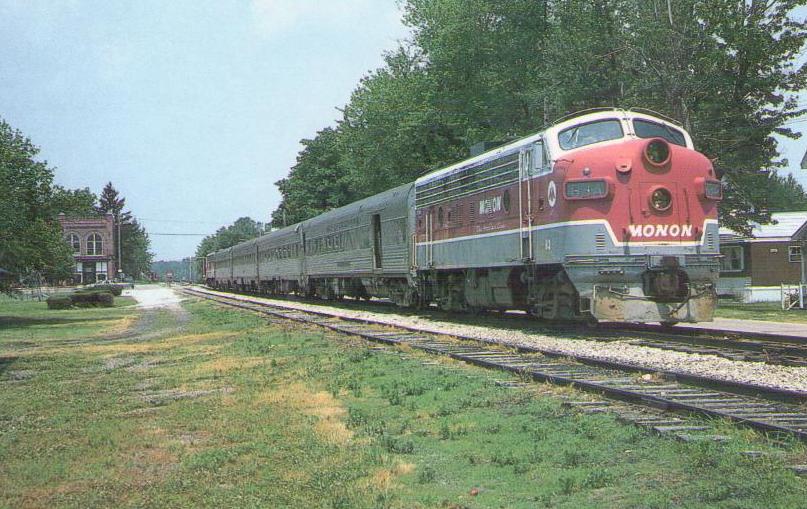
[(593, 132), (647, 129)]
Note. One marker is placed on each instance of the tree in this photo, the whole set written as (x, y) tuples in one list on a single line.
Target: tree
[(135, 258), (486, 70), (135, 255), (73, 202), (244, 228), (316, 183), (784, 194), (30, 238)]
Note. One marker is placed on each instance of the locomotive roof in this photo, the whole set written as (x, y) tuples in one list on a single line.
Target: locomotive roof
[(564, 122)]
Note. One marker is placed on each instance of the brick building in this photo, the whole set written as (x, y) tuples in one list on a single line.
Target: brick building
[(93, 248)]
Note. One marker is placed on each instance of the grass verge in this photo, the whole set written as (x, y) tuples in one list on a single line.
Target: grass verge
[(213, 407), (768, 311)]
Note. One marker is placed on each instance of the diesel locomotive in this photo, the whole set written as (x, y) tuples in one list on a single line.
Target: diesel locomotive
[(607, 215)]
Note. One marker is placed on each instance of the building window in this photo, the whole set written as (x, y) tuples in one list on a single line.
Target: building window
[(75, 243), (794, 254), (100, 271), (733, 260), (95, 245)]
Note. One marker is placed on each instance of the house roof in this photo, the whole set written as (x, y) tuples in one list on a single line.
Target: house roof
[(783, 225)]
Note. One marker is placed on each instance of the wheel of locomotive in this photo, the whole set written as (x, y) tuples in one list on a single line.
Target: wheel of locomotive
[(591, 322)]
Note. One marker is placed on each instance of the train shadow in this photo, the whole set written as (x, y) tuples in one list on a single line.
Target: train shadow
[(6, 362), (22, 322)]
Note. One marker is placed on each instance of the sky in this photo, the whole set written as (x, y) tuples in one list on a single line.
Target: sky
[(193, 109)]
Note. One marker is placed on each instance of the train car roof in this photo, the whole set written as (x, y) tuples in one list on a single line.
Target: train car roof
[(367, 203), (346, 210)]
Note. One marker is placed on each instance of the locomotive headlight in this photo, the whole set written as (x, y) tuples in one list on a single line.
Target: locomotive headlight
[(657, 152), (661, 199), (585, 189), (713, 189)]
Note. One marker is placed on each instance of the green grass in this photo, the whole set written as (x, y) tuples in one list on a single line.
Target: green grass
[(220, 409), (769, 311)]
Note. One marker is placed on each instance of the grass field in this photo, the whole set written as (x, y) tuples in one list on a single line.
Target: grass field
[(204, 406), (770, 311)]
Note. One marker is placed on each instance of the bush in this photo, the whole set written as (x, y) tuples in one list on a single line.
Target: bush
[(93, 298), (59, 302), (116, 290)]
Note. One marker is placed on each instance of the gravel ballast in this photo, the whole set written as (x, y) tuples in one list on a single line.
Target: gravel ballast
[(711, 366)]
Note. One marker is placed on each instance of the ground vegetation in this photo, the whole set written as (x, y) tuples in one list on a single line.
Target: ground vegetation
[(203, 406)]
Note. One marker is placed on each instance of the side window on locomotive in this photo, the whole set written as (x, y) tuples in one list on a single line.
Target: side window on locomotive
[(647, 129), (541, 163), (592, 132)]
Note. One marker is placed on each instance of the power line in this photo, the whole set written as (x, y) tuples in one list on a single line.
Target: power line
[(180, 234), (175, 221)]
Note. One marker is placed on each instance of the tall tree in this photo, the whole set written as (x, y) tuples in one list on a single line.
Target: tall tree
[(73, 202), (111, 202), (30, 238), (135, 257), (486, 70), (316, 183)]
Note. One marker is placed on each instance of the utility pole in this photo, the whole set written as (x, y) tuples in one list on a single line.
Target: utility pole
[(120, 261)]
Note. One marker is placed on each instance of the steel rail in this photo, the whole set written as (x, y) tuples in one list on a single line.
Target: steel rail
[(610, 379), (751, 347)]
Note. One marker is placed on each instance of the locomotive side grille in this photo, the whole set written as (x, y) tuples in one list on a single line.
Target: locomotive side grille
[(710, 240), (470, 180), (599, 242)]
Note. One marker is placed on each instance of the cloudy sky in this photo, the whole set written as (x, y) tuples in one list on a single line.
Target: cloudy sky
[(192, 108)]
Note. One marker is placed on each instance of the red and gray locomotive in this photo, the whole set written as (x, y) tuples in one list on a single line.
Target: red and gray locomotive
[(609, 215)]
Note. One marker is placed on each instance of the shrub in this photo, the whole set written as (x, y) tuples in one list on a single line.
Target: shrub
[(116, 290), (93, 298), (59, 302)]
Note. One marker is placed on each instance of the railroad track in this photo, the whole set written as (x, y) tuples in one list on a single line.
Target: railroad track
[(752, 347), (763, 411), (738, 349)]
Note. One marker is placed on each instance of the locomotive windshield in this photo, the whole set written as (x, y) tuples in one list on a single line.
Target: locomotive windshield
[(592, 132), (647, 129)]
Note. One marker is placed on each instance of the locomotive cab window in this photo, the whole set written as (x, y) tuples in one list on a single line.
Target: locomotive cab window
[(592, 132), (647, 129), (540, 159)]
